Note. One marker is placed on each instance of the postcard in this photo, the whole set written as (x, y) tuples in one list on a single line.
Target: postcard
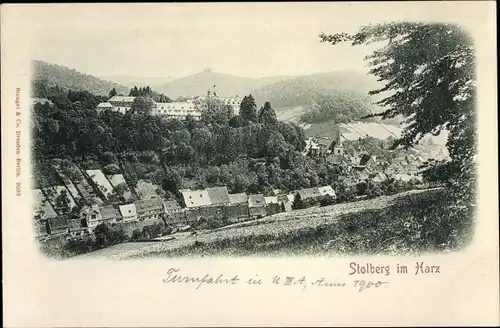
[(250, 164)]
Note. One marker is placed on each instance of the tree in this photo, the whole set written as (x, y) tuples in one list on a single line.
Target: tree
[(62, 202), (248, 109), (142, 105), (112, 93), (430, 80), (172, 180), (267, 116)]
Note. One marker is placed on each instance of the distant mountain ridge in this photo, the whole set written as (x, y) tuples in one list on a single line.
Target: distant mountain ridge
[(303, 90), (71, 79), (223, 84)]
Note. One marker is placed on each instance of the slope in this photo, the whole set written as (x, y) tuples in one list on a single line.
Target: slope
[(71, 79)]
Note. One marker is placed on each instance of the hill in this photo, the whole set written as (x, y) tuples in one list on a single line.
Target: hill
[(73, 80), (305, 90), (225, 84), (131, 81)]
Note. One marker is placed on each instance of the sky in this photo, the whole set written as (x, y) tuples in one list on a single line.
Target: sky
[(245, 39)]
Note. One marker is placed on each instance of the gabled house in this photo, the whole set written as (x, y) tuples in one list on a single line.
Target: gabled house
[(273, 206), (327, 191), (218, 196), (76, 230), (110, 215), (149, 209), (308, 193), (257, 205), (195, 198), (58, 225), (174, 214), (41, 229), (117, 180), (92, 216), (237, 210), (128, 212), (101, 182), (104, 106)]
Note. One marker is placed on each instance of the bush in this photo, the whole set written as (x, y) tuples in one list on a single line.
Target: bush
[(111, 169)]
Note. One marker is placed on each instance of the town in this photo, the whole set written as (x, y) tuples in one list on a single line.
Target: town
[(88, 198)]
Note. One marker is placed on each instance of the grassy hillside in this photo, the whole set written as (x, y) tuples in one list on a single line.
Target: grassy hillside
[(73, 80)]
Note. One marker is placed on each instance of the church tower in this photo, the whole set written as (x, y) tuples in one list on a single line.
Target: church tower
[(338, 149)]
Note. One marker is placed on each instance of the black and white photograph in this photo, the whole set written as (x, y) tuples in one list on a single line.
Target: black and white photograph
[(309, 163), (254, 140)]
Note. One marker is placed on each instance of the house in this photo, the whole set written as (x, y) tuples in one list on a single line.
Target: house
[(110, 215), (121, 104), (41, 229), (286, 202), (309, 193), (76, 230), (128, 212), (218, 196), (117, 180), (273, 206), (174, 214), (195, 198), (312, 147), (327, 191), (149, 209), (257, 205), (191, 215), (101, 182), (177, 110), (237, 210), (171, 206), (92, 216), (325, 145), (104, 106), (58, 225)]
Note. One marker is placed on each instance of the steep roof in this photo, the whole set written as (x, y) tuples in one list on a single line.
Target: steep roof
[(74, 224), (146, 205), (218, 195), (256, 200), (195, 198), (128, 210), (109, 212), (100, 179), (171, 205), (59, 222), (271, 200), (238, 198), (309, 193), (326, 190), (122, 99), (104, 105)]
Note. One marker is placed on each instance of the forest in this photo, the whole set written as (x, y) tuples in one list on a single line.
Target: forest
[(252, 152)]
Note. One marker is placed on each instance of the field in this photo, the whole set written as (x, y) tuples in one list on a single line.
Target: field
[(384, 225)]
